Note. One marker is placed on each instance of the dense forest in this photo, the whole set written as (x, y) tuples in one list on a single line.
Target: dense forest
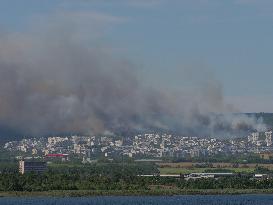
[(118, 176), (100, 176)]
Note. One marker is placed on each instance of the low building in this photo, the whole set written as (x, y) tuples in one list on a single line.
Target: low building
[(62, 157), (261, 176), (31, 166), (266, 155), (195, 176)]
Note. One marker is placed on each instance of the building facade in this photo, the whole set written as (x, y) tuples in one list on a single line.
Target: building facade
[(30, 166)]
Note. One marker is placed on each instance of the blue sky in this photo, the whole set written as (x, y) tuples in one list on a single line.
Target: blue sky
[(229, 40)]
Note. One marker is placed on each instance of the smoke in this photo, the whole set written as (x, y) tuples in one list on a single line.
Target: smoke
[(51, 83)]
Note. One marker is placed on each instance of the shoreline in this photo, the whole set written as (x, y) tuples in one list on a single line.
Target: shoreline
[(160, 192)]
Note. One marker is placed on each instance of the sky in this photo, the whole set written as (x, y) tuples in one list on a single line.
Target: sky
[(228, 40)]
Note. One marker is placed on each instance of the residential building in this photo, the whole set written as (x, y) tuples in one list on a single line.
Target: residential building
[(31, 166)]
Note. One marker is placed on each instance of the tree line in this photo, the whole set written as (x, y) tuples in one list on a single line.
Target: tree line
[(118, 176)]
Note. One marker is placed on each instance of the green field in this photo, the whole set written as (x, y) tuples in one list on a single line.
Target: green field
[(66, 165), (171, 170)]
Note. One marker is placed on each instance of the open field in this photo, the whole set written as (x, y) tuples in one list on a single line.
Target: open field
[(188, 167), (172, 170), (65, 165), (214, 165)]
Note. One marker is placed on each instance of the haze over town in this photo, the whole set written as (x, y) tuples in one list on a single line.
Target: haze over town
[(136, 98), (65, 69)]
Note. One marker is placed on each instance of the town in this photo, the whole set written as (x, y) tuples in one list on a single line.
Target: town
[(143, 146)]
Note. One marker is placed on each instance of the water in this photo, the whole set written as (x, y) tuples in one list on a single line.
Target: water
[(160, 200)]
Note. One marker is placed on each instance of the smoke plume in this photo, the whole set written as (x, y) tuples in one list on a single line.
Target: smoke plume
[(55, 84)]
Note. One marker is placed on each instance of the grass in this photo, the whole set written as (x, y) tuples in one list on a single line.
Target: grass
[(172, 170), (218, 164), (189, 167), (169, 170), (65, 165)]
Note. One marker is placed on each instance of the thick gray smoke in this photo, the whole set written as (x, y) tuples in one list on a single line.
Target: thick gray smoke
[(55, 84)]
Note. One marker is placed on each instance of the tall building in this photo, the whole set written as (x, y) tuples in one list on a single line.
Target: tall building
[(30, 166), (255, 137), (268, 138), (195, 153)]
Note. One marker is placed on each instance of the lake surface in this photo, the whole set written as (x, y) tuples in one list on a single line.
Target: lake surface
[(160, 200)]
